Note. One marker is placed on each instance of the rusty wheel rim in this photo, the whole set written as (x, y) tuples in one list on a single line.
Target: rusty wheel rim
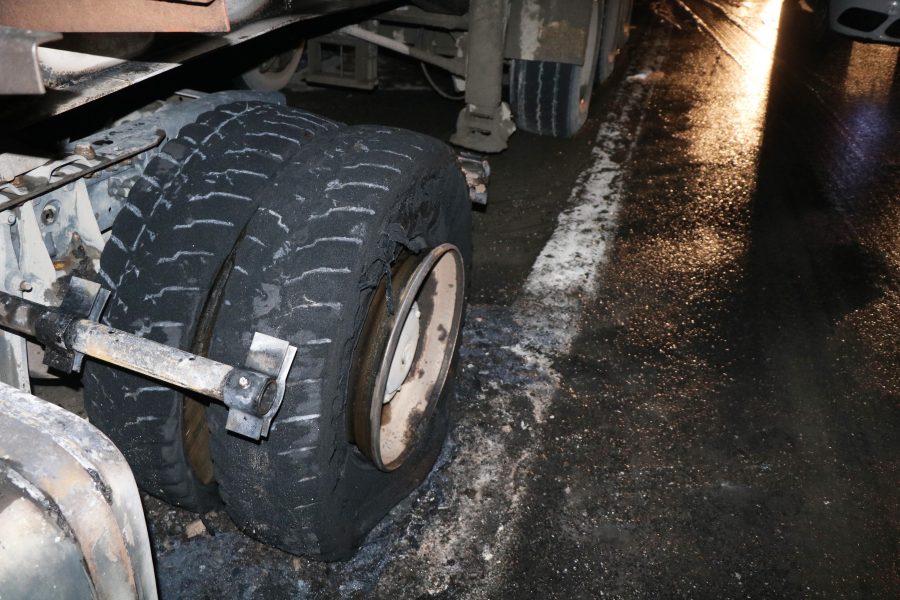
[(404, 358)]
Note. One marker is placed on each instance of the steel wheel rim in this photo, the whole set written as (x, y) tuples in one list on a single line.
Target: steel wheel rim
[(387, 430)]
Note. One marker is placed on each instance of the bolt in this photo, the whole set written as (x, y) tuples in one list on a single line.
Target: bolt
[(25, 286), (86, 150), (244, 383), (11, 219), (48, 215)]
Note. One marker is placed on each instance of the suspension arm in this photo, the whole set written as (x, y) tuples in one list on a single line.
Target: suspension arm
[(253, 393)]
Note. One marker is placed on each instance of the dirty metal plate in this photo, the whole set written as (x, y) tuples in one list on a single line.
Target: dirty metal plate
[(84, 299), (118, 144), (267, 354), (273, 357), (75, 476), (41, 544), (116, 15), (548, 30), (67, 93), (21, 72)]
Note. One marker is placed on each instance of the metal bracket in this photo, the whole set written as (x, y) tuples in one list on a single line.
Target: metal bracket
[(477, 171), (73, 167), (268, 356), (483, 131), (83, 300), (252, 393)]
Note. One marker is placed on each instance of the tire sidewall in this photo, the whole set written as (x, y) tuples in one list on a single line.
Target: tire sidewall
[(358, 481)]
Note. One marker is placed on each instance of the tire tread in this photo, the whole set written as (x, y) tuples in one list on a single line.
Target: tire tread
[(161, 267)]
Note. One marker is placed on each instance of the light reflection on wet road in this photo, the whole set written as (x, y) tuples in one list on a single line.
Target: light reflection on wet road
[(738, 371)]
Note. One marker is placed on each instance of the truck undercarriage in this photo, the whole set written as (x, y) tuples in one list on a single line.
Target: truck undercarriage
[(263, 305)]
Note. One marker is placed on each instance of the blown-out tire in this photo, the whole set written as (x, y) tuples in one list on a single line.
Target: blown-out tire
[(169, 247), (354, 205), (551, 98)]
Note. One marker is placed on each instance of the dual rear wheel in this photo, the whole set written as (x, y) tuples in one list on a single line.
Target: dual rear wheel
[(352, 243)]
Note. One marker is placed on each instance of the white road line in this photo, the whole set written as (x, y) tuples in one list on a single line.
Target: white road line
[(565, 276)]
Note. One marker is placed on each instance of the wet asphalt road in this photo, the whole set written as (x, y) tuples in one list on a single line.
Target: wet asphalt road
[(694, 391)]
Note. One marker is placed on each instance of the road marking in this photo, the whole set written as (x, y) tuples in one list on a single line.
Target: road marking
[(565, 277)]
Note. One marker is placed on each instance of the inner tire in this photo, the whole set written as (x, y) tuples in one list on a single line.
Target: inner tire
[(551, 98), (308, 272), (168, 248)]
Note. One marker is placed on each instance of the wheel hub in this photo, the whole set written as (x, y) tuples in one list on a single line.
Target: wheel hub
[(406, 352)]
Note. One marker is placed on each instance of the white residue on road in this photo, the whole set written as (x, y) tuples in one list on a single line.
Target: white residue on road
[(490, 472)]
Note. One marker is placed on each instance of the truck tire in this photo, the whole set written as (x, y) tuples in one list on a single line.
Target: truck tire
[(163, 263), (613, 36), (551, 98), (356, 210)]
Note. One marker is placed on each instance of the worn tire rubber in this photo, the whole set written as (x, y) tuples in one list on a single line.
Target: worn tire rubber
[(306, 273), (548, 98), (168, 245)]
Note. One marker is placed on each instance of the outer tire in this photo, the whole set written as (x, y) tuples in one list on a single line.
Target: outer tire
[(163, 263), (351, 205), (551, 98)]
